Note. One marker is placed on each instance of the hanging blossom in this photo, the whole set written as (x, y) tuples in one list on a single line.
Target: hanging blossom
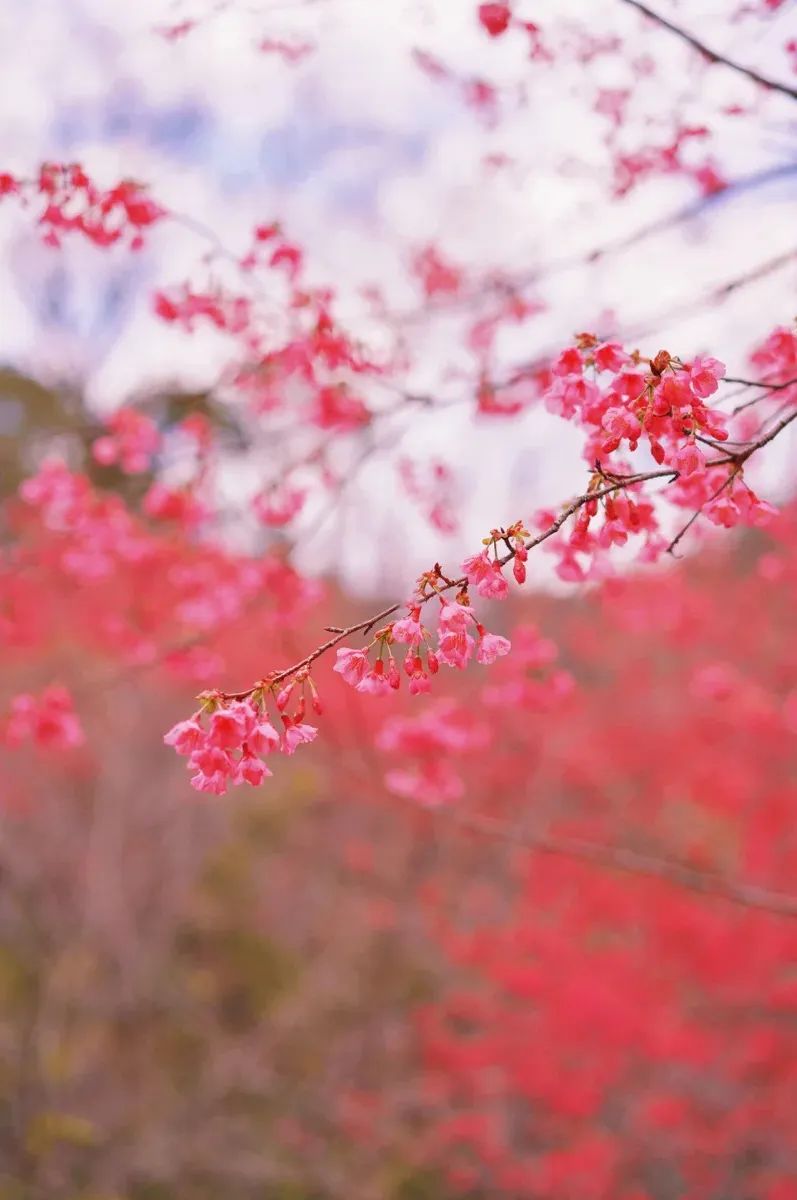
[(231, 747), (459, 637), (228, 739)]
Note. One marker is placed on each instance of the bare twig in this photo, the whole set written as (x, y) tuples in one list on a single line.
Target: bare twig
[(713, 56), (619, 858)]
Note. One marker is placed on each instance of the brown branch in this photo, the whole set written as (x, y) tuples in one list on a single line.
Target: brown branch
[(366, 626), (710, 55), (760, 383), (509, 285), (766, 438), (339, 634), (619, 858), (619, 483)]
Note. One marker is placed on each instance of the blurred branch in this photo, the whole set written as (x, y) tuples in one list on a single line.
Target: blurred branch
[(619, 858), (715, 296), (509, 284), (710, 55)]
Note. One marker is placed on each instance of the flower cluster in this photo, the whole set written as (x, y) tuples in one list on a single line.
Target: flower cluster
[(725, 498), (72, 203), (143, 590), (460, 637), (179, 505), (664, 404), (238, 736), (423, 743), (186, 307), (48, 720), (132, 440), (277, 506), (776, 360)]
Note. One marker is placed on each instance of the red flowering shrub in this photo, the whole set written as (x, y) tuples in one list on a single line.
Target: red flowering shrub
[(528, 930)]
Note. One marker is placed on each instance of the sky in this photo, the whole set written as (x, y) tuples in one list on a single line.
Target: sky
[(365, 159)]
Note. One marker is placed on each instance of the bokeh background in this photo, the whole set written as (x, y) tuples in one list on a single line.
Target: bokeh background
[(438, 955)]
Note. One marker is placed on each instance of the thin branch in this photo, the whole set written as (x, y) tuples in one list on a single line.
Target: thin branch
[(760, 383), (366, 626), (511, 284), (619, 858), (739, 458), (736, 459), (717, 295), (726, 483), (710, 55)]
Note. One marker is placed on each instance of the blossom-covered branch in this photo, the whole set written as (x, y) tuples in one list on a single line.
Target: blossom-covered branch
[(620, 399)]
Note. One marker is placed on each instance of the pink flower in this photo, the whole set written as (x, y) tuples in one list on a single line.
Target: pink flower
[(213, 770), (689, 460), (263, 738), (431, 783), (619, 423), (297, 735), (279, 505), (216, 784), (455, 648), (409, 629), (455, 616), (185, 736), (419, 680), (485, 573), (251, 770), (569, 362), (227, 729), (210, 760), (570, 570), (49, 720), (610, 356), (494, 586), (724, 511), (172, 504), (477, 566), (705, 374), (57, 726), (491, 647), (133, 440), (352, 665), (376, 683)]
